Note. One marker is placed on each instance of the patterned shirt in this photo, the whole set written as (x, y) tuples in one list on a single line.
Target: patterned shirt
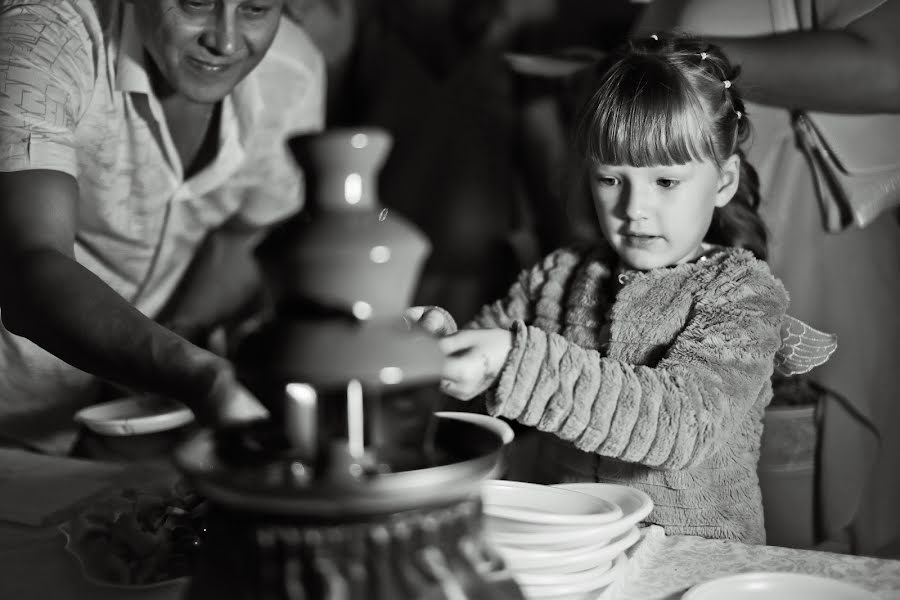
[(75, 97)]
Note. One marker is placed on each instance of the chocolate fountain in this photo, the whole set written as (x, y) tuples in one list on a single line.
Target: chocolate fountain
[(352, 488)]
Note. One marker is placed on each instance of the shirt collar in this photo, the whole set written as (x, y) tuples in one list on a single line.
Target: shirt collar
[(132, 76), (248, 103), (131, 71)]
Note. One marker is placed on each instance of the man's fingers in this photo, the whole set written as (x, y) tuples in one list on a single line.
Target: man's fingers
[(228, 402), (240, 406)]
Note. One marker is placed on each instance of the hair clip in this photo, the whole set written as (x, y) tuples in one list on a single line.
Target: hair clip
[(654, 37), (727, 83), (703, 55), (739, 114)]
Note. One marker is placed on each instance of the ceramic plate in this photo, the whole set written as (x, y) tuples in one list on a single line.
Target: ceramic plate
[(546, 505), (557, 591), (588, 575), (135, 415), (496, 425), (537, 559), (776, 586), (635, 504)]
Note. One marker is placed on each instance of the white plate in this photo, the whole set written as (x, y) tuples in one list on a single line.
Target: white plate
[(496, 425), (564, 590), (588, 575), (776, 586), (542, 504), (635, 504), (135, 415), (536, 559)]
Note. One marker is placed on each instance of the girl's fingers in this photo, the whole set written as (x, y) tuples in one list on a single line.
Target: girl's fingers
[(413, 314), (433, 321), (463, 369), (458, 342)]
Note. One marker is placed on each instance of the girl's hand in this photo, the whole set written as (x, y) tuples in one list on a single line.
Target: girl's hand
[(433, 319), (475, 358)]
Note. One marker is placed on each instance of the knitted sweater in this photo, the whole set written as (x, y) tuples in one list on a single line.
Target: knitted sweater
[(658, 383)]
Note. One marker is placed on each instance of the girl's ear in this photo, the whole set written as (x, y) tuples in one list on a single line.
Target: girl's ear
[(729, 179)]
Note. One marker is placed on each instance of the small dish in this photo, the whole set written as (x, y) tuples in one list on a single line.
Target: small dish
[(134, 416), (589, 575), (538, 559), (635, 504), (547, 505), (496, 425), (776, 586), (566, 590), (546, 538)]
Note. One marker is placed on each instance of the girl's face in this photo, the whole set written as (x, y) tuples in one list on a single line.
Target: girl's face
[(203, 48), (658, 216)]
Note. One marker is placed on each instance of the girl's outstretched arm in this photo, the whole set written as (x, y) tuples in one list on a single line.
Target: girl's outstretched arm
[(670, 416), (519, 302)]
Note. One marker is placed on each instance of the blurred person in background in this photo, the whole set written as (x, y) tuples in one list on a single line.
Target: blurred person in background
[(841, 56), (141, 159)]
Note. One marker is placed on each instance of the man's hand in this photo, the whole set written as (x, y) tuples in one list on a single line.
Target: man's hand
[(227, 402), (475, 358)]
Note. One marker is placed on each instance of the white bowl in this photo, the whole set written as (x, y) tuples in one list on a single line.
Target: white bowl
[(539, 559), (564, 589), (542, 504), (135, 415), (776, 586), (496, 425)]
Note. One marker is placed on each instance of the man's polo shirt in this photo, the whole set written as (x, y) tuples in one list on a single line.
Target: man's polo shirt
[(75, 97)]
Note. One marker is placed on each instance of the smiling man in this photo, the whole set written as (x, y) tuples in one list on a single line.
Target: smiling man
[(137, 139)]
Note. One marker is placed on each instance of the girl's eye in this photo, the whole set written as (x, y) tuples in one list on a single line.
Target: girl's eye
[(667, 183), (607, 181)]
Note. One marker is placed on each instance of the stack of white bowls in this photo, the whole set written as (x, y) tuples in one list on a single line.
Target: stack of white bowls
[(565, 541)]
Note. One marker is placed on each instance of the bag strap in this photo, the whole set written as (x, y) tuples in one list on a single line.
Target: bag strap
[(785, 15), (825, 394)]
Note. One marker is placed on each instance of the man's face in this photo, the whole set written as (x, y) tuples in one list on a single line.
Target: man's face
[(203, 48)]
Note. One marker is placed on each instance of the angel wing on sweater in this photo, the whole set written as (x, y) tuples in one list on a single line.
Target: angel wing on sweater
[(802, 347)]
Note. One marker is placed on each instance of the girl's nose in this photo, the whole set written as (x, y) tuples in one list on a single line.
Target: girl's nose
[(636, 204)]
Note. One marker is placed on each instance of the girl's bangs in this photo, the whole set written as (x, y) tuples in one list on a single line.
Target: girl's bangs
[(645, 118)]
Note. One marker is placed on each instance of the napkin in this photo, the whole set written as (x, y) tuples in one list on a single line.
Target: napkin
[(37, 489)]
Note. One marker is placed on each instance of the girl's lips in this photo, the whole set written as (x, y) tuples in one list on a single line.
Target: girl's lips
[(639, 240)]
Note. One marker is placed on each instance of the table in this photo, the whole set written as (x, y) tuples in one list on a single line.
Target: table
[(667, 566), (34, 566)]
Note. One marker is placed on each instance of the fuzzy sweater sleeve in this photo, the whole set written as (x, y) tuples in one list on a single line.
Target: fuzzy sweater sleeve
[(519, 302), (671, 416)]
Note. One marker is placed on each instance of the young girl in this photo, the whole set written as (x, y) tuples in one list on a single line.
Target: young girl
[(647, 359)]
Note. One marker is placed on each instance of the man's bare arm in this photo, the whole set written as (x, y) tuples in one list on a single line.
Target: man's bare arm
[(851, 70), (49, 298)]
